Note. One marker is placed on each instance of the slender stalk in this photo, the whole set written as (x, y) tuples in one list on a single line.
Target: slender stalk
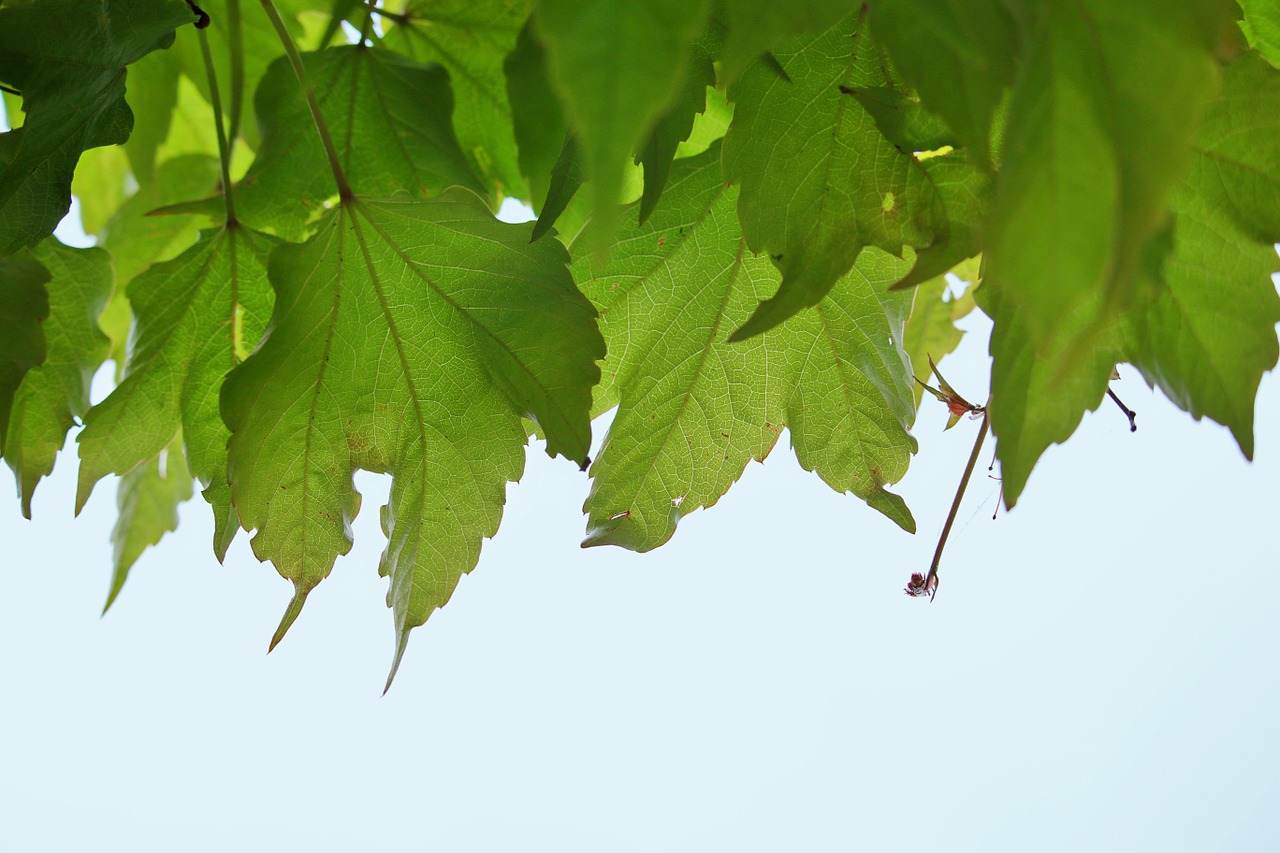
[(330, 150), (391, 16), (1130, 413), (224, 149), (955, 505), (235, 38)]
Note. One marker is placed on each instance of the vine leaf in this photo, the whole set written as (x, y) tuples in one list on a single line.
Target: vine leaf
[(1210, 335), (566, 179), (1261, 26), (755, 26), (420, 362), (960, 56), (1099, 131), (931, 329), (147, 502), (693, 408), (72, 79), (647, 47), (24, 306), (964, 193), (672, 128), (817, 189), (197, 317), (53, 395), (471, 39), (537, 119), (390, 119)]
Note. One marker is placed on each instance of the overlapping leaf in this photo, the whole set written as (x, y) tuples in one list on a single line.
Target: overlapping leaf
[(1207, 335), (390, 120), (53, 395), (72, 79), (197, 317), (694, 408), (819, 182), (537, 119), (755, 26), (408, 337), (1099, 131), (147, 503), (471, 39), (959, 54), (24, 306), (618, 66)]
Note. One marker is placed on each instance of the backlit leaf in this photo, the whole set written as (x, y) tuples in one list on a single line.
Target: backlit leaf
[(389, 117), (53, 395), (694, 408), (409, 338), (755, 26), (819, 182)]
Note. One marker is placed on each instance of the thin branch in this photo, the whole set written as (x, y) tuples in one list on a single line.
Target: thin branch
[(224, 149), (1133, 416), (330, 150), (930, 581), (390, 16)]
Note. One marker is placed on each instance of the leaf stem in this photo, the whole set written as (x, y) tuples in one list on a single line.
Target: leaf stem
[(235, 38), (224, 149), (955, 504), (330, 150), (398, 17), (1130, 413)]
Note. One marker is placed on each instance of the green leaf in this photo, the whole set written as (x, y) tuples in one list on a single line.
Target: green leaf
[(101, 184), (819, 181), (755, 26), (389, 117), (694, 408), (409, 338), (1210, 335), (197, 317), (1261, 26), (904, 121), (147, 501), (536, 116), (1099, 131), (965, 196), (959, 55), (931, 330), (647, 49), (53, 395), (471, 39), (153, 95), (566, 178), (1039, 393), (72, 79), (672, 128), (24, 306)]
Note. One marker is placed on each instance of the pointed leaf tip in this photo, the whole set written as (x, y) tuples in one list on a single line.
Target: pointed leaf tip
[(402, 641), (290, 614)]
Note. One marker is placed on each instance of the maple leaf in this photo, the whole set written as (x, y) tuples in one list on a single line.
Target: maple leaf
[(408, 338)]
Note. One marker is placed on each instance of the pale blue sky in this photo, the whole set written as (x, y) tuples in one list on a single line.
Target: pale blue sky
[(1099, 671)]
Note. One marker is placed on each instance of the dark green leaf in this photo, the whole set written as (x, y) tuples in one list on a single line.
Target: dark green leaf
[(24, 306), (53, 395), (959, 54), (537, 119), (904, 121), (566, 178), (673, 128), (965, 195), (618, 66), (819, 182), (72, 79)]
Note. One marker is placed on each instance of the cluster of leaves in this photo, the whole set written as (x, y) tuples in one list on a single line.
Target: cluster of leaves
[(328, 289)]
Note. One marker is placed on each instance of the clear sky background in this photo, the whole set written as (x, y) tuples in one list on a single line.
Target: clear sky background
[(1098, 672)]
